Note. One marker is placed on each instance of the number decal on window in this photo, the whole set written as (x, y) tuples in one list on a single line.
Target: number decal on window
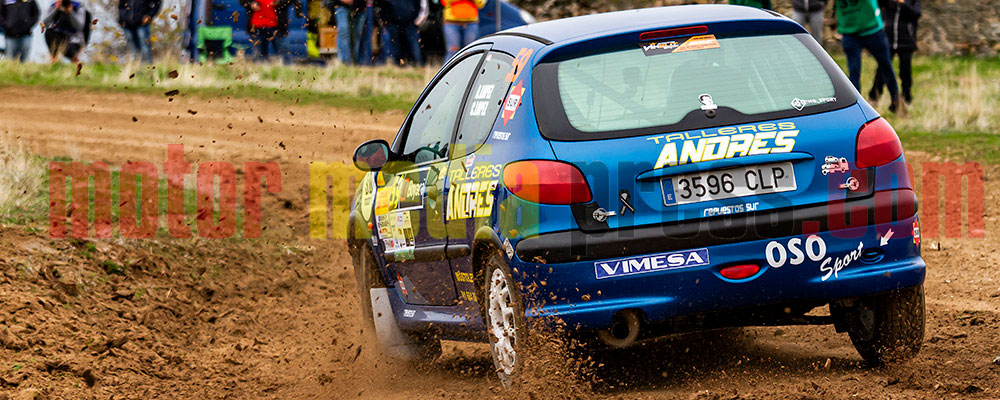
[(521, 60)]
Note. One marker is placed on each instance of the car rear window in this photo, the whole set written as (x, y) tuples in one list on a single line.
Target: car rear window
[(662, 83)]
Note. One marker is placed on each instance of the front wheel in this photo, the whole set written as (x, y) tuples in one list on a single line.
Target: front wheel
[(504, 320), (897, 327)]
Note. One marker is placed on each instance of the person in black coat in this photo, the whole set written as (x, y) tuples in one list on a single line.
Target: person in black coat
[(900, 17), (134, 16), (402, 19), (17, 18), (67, 29)]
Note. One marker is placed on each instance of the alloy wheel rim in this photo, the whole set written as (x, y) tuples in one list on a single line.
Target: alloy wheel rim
[(502, 326)]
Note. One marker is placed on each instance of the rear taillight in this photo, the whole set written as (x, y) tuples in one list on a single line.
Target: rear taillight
[(877, 144), (546, 182)]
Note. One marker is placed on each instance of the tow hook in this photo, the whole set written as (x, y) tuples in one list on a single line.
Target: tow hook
[(601, 215)]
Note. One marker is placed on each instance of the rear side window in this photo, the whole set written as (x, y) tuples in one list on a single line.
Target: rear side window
[(669, 84), (483, 106)]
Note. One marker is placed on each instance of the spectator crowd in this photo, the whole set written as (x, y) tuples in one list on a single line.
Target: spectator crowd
[(884, 28), (67, 24), (397, 23), (394, 23)]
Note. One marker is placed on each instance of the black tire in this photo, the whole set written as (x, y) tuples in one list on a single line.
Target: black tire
[(367, 275), (897, 327), (508, 368)]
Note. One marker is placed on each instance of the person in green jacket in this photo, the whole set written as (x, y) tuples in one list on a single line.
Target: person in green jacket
[(765, 4), (860, 25)]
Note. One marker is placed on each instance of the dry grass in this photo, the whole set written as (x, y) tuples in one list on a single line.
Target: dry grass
[(22, 179), (950, 95), (380, 88), (330, 79)]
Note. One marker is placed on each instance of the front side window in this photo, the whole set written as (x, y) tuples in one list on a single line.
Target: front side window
[(434, 118)]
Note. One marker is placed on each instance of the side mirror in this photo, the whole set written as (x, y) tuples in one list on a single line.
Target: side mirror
[(371, 155)]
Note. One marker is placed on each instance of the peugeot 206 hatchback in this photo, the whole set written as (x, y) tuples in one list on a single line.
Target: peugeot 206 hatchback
[(634, 174)]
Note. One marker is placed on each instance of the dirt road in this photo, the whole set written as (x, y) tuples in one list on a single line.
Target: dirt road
[(281, 320)]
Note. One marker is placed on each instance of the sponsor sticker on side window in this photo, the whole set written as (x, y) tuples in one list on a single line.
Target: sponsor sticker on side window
[(700, 42)]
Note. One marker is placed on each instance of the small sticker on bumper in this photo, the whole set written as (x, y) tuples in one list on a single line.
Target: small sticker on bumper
[(650, 263)]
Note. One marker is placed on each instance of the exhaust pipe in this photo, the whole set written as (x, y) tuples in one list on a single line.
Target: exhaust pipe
[(624, 329)]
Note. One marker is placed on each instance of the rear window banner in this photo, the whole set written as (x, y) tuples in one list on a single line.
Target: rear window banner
[(692, 43)]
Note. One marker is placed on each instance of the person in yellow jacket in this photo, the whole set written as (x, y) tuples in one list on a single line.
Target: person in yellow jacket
[(461, 24)]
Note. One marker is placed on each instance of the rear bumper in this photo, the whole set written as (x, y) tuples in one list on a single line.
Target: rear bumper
[(577, 245), (572, 291)]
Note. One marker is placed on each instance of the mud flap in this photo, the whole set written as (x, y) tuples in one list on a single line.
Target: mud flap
[(394, 342), (856, 318)]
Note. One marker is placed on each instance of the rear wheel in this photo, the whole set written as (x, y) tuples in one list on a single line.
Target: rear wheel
[(897, 326), (504, 320), (393, 342)]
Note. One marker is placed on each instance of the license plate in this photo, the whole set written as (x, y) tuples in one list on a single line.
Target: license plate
[(728, 183)]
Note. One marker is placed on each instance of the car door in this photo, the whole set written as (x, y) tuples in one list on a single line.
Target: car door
[(409, 205), (474, 171)]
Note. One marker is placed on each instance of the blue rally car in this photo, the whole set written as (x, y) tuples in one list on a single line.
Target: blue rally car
[(634, 174)]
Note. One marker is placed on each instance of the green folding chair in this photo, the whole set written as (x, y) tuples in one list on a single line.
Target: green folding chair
[(214, 43)]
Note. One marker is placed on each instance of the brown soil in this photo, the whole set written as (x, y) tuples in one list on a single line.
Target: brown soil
[(277, 317)]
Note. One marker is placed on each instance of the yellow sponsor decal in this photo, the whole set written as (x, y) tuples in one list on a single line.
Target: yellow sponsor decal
[(468, 296), (383, 201), (727, 142), (482, 171), (471, 199), (472, 188), (463, 277)]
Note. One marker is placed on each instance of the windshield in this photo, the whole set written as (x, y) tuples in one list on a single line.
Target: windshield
[(660, 83)]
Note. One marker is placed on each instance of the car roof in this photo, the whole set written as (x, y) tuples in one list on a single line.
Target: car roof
[(611, 23)]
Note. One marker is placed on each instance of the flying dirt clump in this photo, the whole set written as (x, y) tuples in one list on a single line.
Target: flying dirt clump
[(553, 366)]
